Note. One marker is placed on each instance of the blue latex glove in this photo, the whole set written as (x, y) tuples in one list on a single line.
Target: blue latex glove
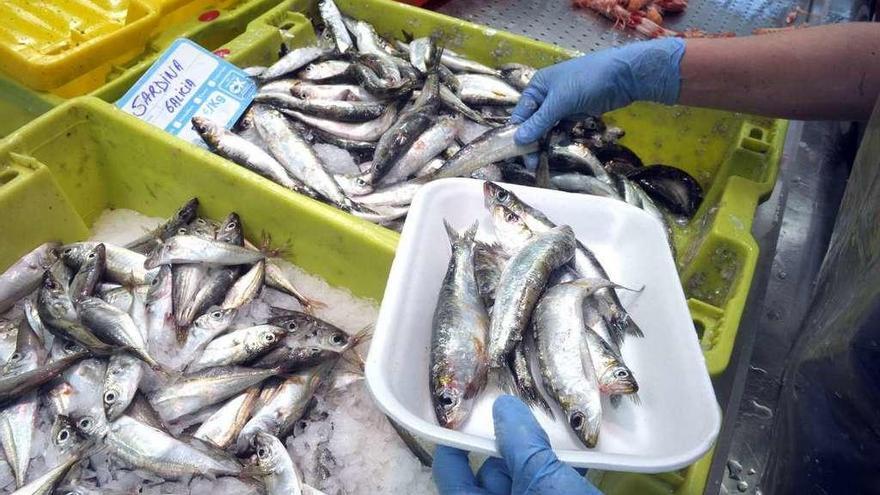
[(529, 464), (598, 83)]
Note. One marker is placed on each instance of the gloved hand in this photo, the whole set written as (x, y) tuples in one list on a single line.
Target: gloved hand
[(529, 464), (598, 83)]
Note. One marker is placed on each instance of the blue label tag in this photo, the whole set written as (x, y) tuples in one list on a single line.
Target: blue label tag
[(186, 81)]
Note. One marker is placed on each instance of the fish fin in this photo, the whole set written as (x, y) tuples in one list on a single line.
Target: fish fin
[(624, 323), (634, 397), (528, 392), (276, 311), (502, 377), (407, 36), (471, 233), (615, 400), (542, 173)]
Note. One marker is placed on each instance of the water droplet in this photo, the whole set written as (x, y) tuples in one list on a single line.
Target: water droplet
[(751, 471), (734, 468), (758, 370), (742, 486), (760, 410)]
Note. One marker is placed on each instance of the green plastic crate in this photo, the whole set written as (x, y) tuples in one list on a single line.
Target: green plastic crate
[(60, 172), (246, 32)]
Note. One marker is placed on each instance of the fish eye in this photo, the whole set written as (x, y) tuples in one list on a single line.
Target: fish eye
[(621, 373), (70, 347), (262, 453), (447, 400), (181, 231), (291, 325), (360, 182), (85, 423), (63, 435), (337, 339), (232, 225), (215, 314), (576, 420), (502, 195), (91, 255), (270, 337), (154, 282), (15, 357), (510, 218), (110, 397), (68, 251)]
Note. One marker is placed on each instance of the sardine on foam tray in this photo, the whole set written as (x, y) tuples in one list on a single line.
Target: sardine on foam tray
[(676, 419)]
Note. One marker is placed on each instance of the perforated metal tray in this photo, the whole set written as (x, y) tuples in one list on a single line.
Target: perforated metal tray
[(558, 22)]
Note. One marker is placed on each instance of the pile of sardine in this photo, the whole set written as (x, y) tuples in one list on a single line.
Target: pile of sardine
[(125, 346), (534, 296), (409, 113)]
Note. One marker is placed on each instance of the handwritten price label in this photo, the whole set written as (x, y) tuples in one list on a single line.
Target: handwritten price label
[(186, 81)]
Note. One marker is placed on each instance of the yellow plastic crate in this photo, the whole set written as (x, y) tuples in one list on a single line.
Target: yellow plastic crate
[(60, 172), (235, 28)]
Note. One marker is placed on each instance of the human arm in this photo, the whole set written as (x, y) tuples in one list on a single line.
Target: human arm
[(820, 73), (825, 72), (528, 465)]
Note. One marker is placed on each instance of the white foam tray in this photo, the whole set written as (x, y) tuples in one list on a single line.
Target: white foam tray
[(678, 418)]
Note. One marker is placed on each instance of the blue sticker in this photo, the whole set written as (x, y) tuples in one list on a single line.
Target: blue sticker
[(187, 81)]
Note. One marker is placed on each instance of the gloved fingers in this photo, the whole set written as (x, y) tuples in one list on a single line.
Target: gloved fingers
[(521, 440), (452, 472), (550, 112), (529, 101), (493, 476), (531, 161)]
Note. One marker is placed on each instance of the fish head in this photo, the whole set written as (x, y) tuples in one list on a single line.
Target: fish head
[(188, 211), (161, 285), (355, 185), (511, 229), (207, 129), (268, 450), (95, 258), (296, 323), (493, 194), (112, 398), (230, 231), (584, 423), (65, 437), (450, 405), (265, 338), (216, 319), (91, 424), (618, 379), (74, 254)]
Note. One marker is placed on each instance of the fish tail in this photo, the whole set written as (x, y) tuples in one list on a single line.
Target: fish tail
[(456, 237), (620, 322), (502, 377)]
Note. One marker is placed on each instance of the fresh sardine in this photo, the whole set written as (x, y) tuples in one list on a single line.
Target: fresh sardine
[(238, 346), (344, 111), (193, 249), (295, 60), (245, 153), (222, 427), (24, 276), (184, 215), (521, 284), (194, 392), (429, 144), (494, 145), (297, 155), (481, 89), (122, 266), (278, 471), (565, 361), (333, 21), (89, 273), (365, 131), (116, 327), (459, 359)]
